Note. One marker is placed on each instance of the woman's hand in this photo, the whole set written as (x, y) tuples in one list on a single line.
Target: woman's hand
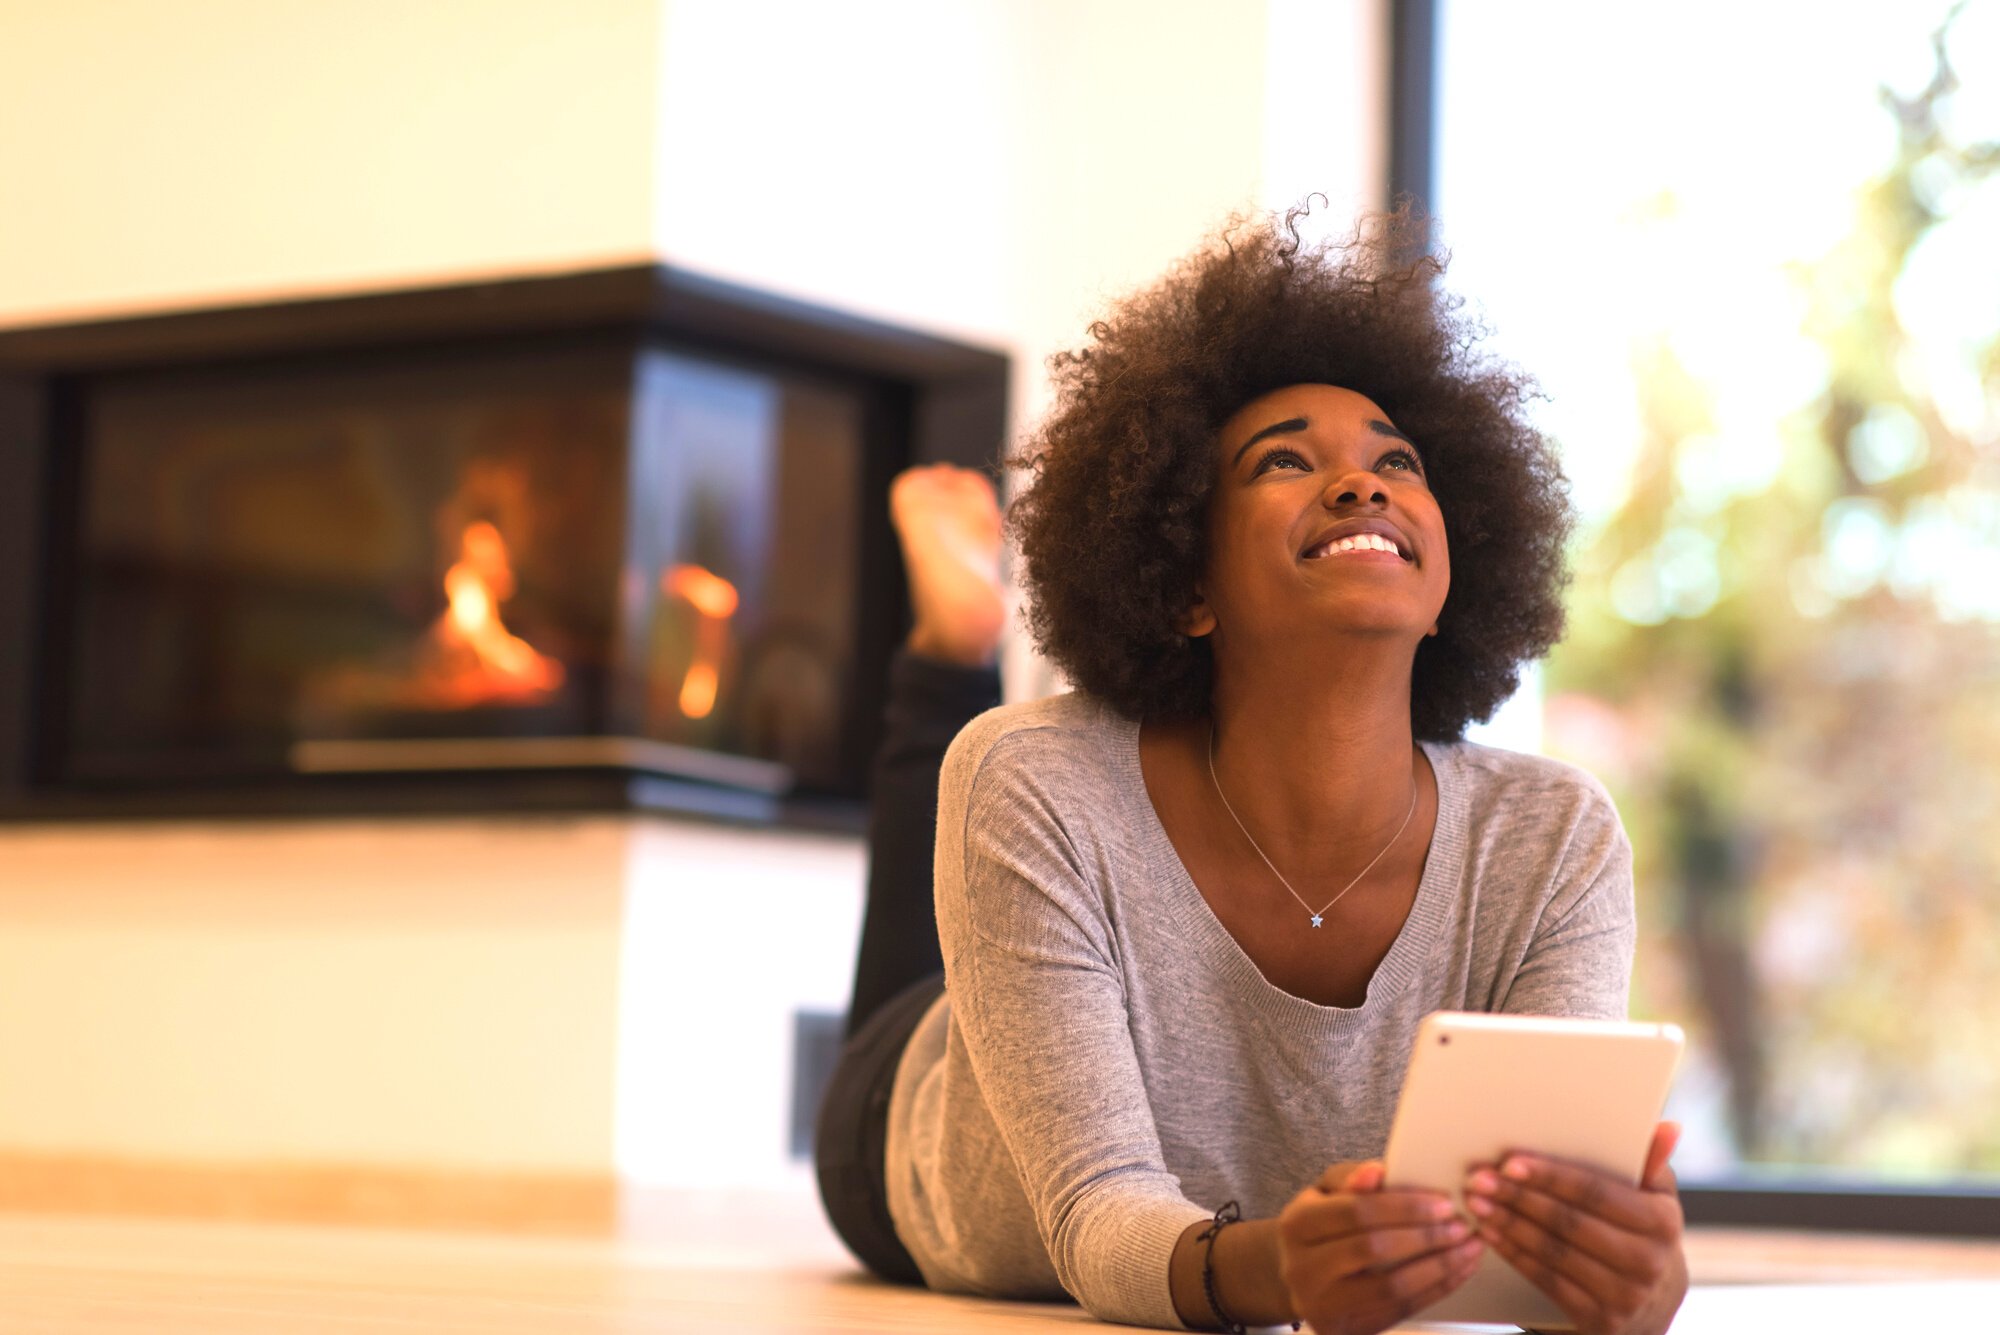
[(1607, 1253), (1357, 1259)]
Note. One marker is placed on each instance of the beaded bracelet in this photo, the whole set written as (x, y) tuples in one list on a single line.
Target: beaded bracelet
[(1230, 1213)]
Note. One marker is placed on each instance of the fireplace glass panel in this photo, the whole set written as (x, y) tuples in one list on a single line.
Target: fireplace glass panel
[(510, 546), (746, 561)]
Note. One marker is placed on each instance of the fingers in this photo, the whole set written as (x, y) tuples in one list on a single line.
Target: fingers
[(1351, 1176), (1424, 1282), (1600, 1248), (1365, 1177), (1535, 1244), (1386, 1248), (1540, 1259), (1657, 1175), (1380, 1299), (1417, 1284), (1315, 1217), (1591, 1294), (1588, 1190), (1628, 1251), (1365, 1258)]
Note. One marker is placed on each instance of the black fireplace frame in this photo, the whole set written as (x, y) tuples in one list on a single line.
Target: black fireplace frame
[(940, 400)]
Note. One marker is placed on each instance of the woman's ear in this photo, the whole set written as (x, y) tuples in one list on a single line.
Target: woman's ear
[(1197, 621)]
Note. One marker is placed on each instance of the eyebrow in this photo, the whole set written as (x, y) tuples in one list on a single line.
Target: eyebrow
[(1290, 426), (1294, 425)]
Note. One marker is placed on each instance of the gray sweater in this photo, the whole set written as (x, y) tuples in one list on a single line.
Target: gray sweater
[(1107, 1066)]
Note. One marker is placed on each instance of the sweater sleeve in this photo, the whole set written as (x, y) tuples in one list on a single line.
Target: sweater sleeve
[(1579, 962), (1031, 967)]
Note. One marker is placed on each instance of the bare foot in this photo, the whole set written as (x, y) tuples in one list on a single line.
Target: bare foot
[(948, 520)]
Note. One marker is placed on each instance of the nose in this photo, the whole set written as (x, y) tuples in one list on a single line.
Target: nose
[(1355, 487)]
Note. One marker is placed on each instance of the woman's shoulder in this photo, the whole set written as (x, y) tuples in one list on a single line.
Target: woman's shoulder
[(1035, 791), (1519, 790), (1532, 823), (1071, 736)]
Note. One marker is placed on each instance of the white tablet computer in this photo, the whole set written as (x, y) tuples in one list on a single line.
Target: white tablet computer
[(1481, 1085)]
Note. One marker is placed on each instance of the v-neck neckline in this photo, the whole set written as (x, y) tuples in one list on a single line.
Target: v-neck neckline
[(1429, 911)]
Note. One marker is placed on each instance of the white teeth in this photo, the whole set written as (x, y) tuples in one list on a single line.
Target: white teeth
[(1360, 542)]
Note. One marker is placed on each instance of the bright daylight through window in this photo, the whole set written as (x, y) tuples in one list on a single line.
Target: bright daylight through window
[(1753, 254)]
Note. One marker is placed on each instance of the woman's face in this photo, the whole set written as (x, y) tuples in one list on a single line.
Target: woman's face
[(1321, 519)]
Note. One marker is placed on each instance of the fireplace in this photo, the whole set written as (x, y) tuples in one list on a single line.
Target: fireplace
[(614, 539)]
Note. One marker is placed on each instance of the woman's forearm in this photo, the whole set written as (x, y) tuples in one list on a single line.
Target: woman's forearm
[(1247, 1281)]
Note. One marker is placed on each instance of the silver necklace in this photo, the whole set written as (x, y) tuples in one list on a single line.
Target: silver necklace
[(1280, 875)]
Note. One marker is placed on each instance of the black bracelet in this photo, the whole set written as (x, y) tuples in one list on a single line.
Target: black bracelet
[(1229, 1214)]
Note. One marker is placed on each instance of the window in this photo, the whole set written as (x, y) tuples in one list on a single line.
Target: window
[(1750, 252)]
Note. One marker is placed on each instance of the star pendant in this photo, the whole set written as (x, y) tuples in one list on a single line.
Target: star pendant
[(1315, 920)]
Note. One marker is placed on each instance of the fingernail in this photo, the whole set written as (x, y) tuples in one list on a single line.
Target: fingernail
[(1516, 1169), (1483, 1181), (1479, 1205), (1465, 1251), (1442, 1210), (1456, 1230)]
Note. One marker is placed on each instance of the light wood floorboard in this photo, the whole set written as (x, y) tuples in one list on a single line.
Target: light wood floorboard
[(767, 1264)]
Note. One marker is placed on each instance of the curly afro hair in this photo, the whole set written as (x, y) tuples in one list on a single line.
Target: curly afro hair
[(1112, 525)]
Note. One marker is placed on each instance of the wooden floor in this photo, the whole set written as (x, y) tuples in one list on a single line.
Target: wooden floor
[(768, 1264)]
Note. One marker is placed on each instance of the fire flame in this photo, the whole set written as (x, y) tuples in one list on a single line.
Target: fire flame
[(714, 600), (465, 659), (503, 665), (709, 593), (698, 690)]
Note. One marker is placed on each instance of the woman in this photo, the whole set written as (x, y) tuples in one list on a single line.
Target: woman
[(1288, 536)]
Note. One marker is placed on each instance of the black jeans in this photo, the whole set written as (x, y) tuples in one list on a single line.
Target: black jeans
[(900, 971)]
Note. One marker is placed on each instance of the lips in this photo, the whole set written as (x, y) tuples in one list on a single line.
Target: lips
[(1357, 537)]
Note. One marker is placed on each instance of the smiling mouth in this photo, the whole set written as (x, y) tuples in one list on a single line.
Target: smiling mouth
[(1356, 543)]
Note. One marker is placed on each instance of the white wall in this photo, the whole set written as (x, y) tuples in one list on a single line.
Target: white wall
[(436, 994), (157, 154), (999, 170), (1326, 87), (544, 995), (964, 166), (727, 936), (988, 167), (517, 995)]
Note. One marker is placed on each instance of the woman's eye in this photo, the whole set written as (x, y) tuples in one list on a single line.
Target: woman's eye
[(1401, 459), (1278, 459)]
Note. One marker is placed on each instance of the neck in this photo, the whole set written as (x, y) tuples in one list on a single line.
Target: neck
[(1319, 764)]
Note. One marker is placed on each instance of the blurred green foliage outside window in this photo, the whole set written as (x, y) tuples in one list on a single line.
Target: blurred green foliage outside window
[(1752, 251)]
